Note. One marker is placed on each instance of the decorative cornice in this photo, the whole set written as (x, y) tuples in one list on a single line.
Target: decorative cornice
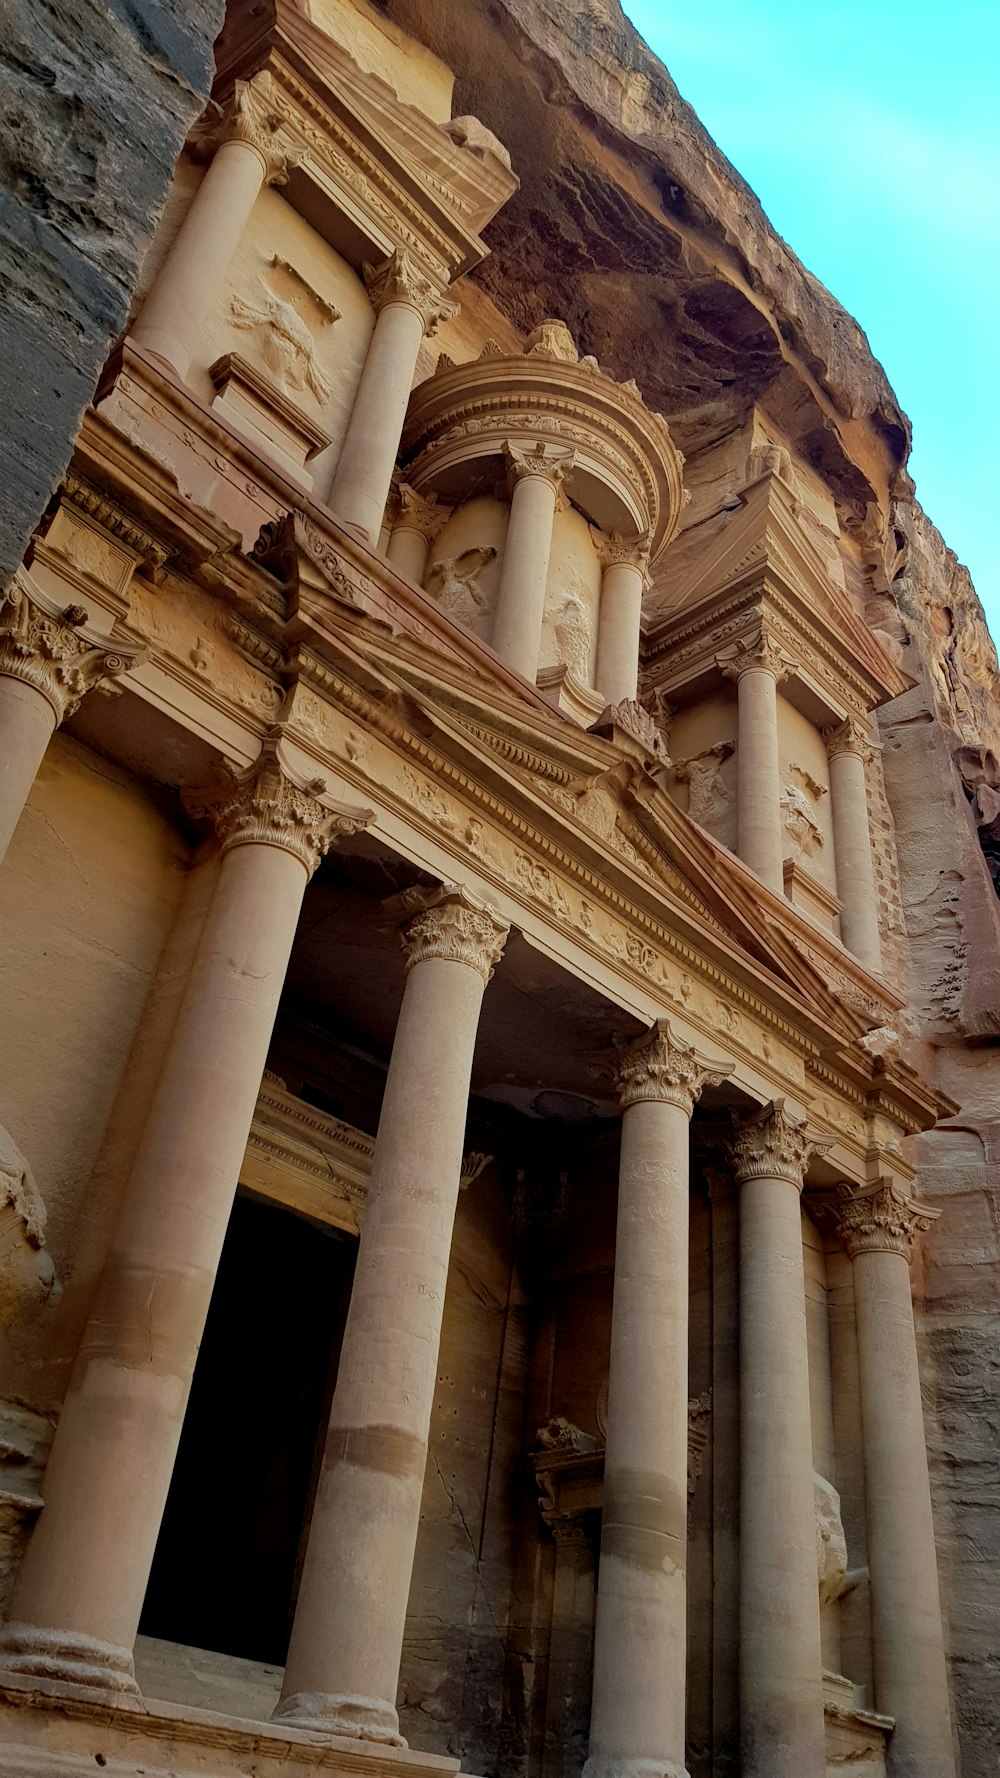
[(884, 1219), (399, 280), (659, 1067), (87, 500), (538, 463), (54, 651), (270, 805), (762, 652), (253, 117), (450, 924), (423, 513), (772, 1145), (850, 736)]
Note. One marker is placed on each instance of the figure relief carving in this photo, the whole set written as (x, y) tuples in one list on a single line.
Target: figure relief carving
[(450, 924), (572, 634), (398, 280), (835, 1579), (453, 582), (771, 1144), (710, 800), (27, 1275), (659, 1066), (883, 1219), (799, 820), (54, 652), (773, 459), (270, 805), (286, 339)]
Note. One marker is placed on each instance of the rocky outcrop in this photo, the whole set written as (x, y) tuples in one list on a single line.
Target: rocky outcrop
[(95, 102)]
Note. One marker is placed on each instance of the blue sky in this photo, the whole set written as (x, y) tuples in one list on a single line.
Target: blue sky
[(871, 134)]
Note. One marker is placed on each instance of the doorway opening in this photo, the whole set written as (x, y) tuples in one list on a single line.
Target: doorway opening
[(230, 1550)]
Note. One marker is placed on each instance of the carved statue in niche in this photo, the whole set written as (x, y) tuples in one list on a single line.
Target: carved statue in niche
[(27, 1274), (572, 637), (286, 338), (710, 800), (453, 582)]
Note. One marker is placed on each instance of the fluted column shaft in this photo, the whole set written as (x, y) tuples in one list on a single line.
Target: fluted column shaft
[(625, 577), (407, 306), (849, 753), (49, 660), (343, 1661), (249, 156), (77, 1600), (757, 668), (535, 478), (781, 1663), (911, 1678), (638, 1710)]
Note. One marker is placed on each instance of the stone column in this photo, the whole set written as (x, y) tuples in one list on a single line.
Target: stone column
[(570, 1645), (77, 1600), (637, 1716), (408, 305), (781, 1662), (911, 1679), (49, 660), (249, 154), (418, 521), (343, 1661), (625, 561), (535, 477), (850, 752), (758, 668)]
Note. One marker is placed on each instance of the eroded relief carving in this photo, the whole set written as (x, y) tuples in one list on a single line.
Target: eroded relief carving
[(572, 633), (711, 802), (284, 337), (27, 1275), (799, 820), (454, 583)]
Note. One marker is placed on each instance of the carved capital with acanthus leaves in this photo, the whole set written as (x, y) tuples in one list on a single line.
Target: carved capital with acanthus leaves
[(252, 117), (760, 653), (883, 1219), (537, 462), (850, 736), (450, 924), (771, 1144), (615, 551), (399, 279), (54, 651), (422, 513), (659, 1067), (269, 804)]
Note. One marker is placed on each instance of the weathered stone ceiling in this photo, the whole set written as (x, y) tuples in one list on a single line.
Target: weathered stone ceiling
[(632, 226)]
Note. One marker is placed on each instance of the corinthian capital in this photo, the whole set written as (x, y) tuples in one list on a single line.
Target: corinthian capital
[(54, 652), (449, 923), (615, 551), (271, 805), (772, 1145), (538, 461), (850, 736), (761, 653), (252, 116), (420, 512), (883, 1219), (398, 280), (659, 1067)]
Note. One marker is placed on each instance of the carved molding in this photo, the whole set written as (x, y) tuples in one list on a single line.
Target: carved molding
[(450, 924), (270, 805), (55, 652), (884, 1219), (659, 1067), (399, 280), (770, 1144)]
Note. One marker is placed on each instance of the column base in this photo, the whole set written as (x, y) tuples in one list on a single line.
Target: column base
[(608, 1766), (102, 1667), (333, 1713)]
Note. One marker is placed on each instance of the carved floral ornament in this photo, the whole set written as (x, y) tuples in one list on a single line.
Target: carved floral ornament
[(399, 279), (252, 117), (54, 652), (770, 1144), (761, 653), (450, 924), (269, 804), (661, 1068), (850, 736), (538, 462), (616, 551), (884, 1219)]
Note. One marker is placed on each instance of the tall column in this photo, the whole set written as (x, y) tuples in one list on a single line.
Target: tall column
[(534, 477), (849, 753), (343, 1661), (408, 305), (77, 1600), (49, 660), (911, 1679), (420, 517), (758, 668), (626, 576), (637, 1716), (781, 1662), (249, 155)]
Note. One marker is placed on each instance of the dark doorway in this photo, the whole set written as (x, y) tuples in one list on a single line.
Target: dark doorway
[(229, 1552)]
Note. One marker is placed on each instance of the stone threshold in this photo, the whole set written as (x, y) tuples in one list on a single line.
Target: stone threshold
[(49, 1730)]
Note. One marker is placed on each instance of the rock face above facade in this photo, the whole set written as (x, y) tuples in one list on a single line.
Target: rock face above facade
[(96, 101)]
